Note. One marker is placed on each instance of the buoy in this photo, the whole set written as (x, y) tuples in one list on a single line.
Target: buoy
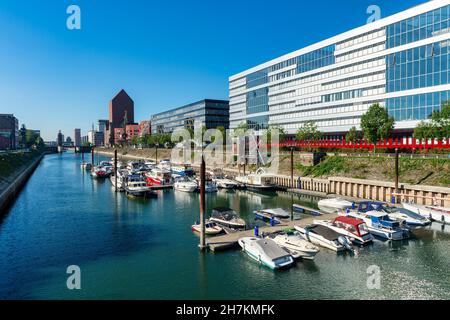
[(256, 231)]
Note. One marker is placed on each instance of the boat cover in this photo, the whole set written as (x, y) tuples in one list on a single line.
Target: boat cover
[(324, 231), (271, 249)]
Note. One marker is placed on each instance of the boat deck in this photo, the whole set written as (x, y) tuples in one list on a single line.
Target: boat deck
[(230, 240)]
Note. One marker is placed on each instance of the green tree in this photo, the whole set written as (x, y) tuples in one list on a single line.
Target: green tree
[(425, 130), (308, 132), (240, 130), (353, 135), (377, 124), (135, 140)]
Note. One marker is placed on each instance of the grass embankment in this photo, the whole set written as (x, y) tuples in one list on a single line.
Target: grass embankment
[(11, 162), (421, 171)]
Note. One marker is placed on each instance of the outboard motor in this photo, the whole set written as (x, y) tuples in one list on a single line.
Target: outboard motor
[(346, 243)]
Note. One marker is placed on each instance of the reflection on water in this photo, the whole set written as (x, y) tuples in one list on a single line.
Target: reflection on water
[(130, 248)]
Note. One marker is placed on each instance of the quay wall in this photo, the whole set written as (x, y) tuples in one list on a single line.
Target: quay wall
[(18, 180)]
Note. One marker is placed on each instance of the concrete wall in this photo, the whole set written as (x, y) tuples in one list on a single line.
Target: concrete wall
[(11, 192)]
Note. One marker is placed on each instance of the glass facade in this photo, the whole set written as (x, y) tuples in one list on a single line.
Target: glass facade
[(258, 101), (306, 62), (419, 67), (209, 113), (416, 107), (420, 27), (258, 123)]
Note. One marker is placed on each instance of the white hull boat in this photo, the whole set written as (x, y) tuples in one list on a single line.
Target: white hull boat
[(333, 205), (438, 214), (355, 229), (227, 217), (211, 228), (296, 246), (266, 252), (258, 181), (324, 237), (185, 186)]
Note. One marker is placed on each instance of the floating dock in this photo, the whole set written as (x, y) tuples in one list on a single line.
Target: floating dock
[(230, 240)]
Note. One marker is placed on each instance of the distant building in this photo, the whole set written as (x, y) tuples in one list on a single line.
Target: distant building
[(68, 142), (9, 132), (132, 130), (51, 143), (60, 139), (118, 135), (144, 128), (121, 109), (208, 113), (103, 125), (84, 140), (77, 137), (95, 138)]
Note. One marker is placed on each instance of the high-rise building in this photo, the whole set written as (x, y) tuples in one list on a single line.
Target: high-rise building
[(9, 132), (77, 137), (208, 113), (60, 139), (95, 138), (121, 109), (401, 62)]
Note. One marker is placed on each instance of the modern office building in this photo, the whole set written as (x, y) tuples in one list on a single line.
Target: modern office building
[(401, 62), (9, 132), (103, 125), (77, 138), (121, 109), (208, 113), (96, 138)]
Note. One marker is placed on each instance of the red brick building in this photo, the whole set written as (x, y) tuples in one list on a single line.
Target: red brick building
[(132, 130)]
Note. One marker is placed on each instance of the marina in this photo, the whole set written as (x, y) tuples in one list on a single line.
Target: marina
[(75, 219)]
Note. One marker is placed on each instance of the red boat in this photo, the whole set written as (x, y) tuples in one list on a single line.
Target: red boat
[(159, 177), (355, 229)]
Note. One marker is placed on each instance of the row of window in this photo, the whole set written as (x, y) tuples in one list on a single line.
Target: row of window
[(361, 52), (361, 39), (353, 121), (368, 78), (283, 96), (353, 94), (420, 27), (257, 101)]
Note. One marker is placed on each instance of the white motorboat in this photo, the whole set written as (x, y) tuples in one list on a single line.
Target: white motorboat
[(211, 228), (409, 217), (272, 215), (435, 213), (86, 166), (258, 181), (378, 222), (138, 189), (295, 245), (222, 181), (355, 229), (99, 172), (183, 171), (185, 185), (161, 177), (121, 179), (333, 205), (266, 252), (228, 218), (324, 236)]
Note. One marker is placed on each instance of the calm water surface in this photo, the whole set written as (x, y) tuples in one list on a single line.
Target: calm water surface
[(145, 249)]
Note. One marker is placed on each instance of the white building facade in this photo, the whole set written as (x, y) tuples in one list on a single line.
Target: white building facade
[(401, 62)]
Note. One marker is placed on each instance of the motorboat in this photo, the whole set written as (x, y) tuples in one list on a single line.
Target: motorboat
[(435, 213), (211, 228), (300, 209), (332, 205), (400, 214), (266, 252), (184, 171), (121, 179), (258, 181), (355, 229), (227, 217), (86, 166), (185, 185), (266, 217), (324, 236), (223, 182), (99, 173), (138, 189), (295, 245), (158, 176), (210, 186), (378, 222), (272, 215)]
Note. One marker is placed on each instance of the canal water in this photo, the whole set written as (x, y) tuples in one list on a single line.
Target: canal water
[(131, 249)]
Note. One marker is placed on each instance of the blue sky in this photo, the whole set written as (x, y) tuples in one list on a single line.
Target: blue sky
[(163, 53)]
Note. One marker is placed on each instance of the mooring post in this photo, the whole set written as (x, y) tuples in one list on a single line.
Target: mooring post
[(202, 204), (292, 168), (115, 169), (156, 156), (397, 191), (92, 156)]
